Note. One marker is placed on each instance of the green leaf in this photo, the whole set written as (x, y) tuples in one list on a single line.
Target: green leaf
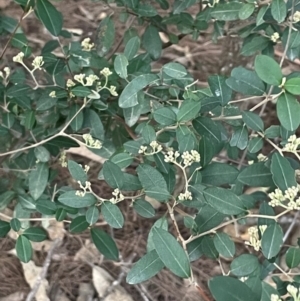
[(253, 121), (171, 253), (93, 121), (148, 133), (268, 70), (223, 200), (244, 265), (260, 16), (105, 244), (278, 10), (8, 120), (292, 257), (92, 215), (79, 224), (256, 175), (60, 214), (112, 214), (77, 172), (224, 245), (120, 65), (35, 234), (174, 70), (5, 198), (113, 174), (282, 172), (23, 249), (161, 164), (146, 10), (292, 85), (217, 174), (272, 240), (161, 223), (77, 122), (81, 91), (246, 11), (181, 5), (42, 154), (38, 180), (50, 16), (4, 228), (239, 137), (143, 208), (268, 291), (132, 114), (206, 151), (288, 109), (18, 90), (219, 89), (226, 11), (72, 200), (131, 183), (208, 218), (147, 267), (151, 42), (208, 128), (132, 47), (15, 224), (255, 144), (153, 182), (188, 110), (128, 97), (224, 288), (194, 249), (45, 207), (208, 247), (105, 36), (164, 116)]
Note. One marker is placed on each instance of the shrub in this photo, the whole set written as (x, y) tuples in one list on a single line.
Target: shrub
[(118, 107)]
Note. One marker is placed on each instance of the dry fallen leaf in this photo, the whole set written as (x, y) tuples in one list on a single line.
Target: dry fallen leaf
[(86, 292), (102, 280), (88, 253), (31, 273), (18, 296)]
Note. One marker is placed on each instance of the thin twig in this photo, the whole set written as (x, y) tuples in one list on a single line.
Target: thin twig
[(44, 271), (291, 226)]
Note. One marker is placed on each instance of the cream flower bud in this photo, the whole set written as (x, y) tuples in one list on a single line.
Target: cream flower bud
[(70, 83), (38, 62), (106, 72), (52, 94), (19, 57), (86, 45)]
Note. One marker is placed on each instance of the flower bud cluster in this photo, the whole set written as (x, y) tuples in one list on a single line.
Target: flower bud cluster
[(296, 17), (106, 72), (91, 142), (275, 37), (6, 71), (62, 159), (294, 292), (38, 63), (187, 195), (290, 196), (89, 80), (87, 45), (188, 158), (254, 240), (85, 188), (118, 196), (292, 145), (19, 57), (275, 298), (156, 148)]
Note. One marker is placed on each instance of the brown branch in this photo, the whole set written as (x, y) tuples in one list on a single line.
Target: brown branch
[(45, 268)]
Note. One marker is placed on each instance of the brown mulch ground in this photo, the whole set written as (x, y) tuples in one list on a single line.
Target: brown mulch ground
[(202, 58)]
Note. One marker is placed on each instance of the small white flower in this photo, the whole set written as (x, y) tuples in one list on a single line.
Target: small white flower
[(187, 195), (293, 291), (79, 78), (292, 145), (86, 168), (143, 149), (38, 62), (250, 162), (52, 94), (86, 45), (276, 197), (118, 196), (262, 158), (112, 90), (106, 72), (91, 142), (275, 298), (70, 83), (155, 147), (19, 57), (91, 79), (275, 37), (296, 17), (7, 71)]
